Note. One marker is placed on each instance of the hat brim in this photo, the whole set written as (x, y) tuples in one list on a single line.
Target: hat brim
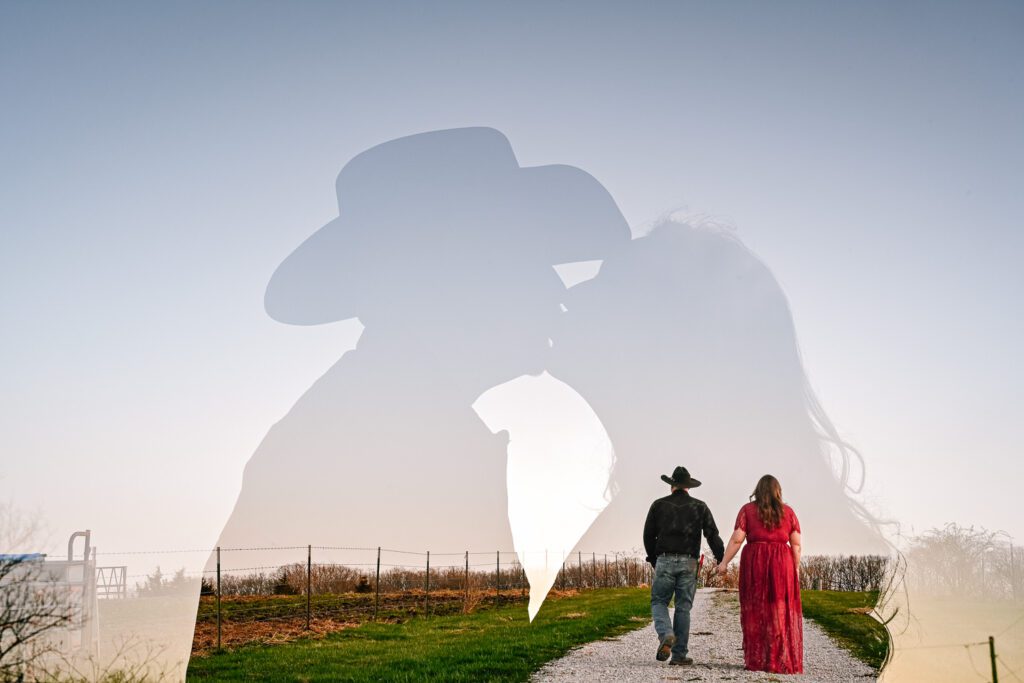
[(690, 483)]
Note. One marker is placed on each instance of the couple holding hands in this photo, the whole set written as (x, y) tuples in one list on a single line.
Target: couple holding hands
[(770, 609)]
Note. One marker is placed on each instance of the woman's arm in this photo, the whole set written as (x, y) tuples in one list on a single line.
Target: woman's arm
[(794, 544), (735, 541)]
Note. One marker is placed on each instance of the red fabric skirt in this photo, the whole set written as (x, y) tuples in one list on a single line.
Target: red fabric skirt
[(770, 610)]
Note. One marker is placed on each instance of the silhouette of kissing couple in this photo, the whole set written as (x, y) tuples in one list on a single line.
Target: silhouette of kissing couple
[(488, 405)]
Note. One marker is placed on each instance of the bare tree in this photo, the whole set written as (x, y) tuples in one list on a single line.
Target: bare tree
[(959, 560), (33, 610)]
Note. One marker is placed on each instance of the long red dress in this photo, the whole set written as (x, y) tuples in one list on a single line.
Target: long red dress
[(770, 610)]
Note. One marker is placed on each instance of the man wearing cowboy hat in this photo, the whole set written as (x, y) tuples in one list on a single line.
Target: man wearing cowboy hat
[(672, 541)]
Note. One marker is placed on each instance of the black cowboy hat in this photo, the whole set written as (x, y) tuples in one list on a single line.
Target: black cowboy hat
[(681, 478)]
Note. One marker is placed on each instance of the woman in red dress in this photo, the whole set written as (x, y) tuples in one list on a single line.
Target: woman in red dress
[(770, 610)]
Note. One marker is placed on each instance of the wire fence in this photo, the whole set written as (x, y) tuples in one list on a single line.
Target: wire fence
[(272, 592), (995, 665), (321, 569)]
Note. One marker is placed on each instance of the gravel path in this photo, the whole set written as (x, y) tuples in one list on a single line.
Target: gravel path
[(716, 646)]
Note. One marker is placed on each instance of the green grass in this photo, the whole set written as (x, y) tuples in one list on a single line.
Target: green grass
[(864, 637), (490, 645)]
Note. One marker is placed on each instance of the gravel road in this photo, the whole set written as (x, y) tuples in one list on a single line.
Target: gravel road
[(716, 646)]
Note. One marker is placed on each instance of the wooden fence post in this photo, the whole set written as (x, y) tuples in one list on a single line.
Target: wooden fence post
[(992, 655), (309, 583), (376, 599), (218, 598)]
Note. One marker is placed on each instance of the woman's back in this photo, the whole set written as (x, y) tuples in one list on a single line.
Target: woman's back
[(770, 606), (750, 521)]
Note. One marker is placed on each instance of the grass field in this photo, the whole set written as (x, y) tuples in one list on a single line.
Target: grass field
[(494, 644), (843, 617)]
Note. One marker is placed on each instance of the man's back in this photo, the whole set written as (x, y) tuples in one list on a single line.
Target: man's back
[(672, 540), (675, 524)]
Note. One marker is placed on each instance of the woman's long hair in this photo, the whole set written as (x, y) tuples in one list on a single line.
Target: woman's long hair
[(768, 497)]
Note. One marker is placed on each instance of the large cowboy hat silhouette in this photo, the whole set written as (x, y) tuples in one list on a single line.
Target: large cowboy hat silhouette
[(410, 208)]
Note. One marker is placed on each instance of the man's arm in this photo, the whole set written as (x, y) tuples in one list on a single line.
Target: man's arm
[(651, 534), (711, 533)]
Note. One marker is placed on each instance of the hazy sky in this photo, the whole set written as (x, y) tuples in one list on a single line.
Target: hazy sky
[(159, 161)]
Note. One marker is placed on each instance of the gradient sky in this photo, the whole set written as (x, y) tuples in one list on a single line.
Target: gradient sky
[(159, 161)]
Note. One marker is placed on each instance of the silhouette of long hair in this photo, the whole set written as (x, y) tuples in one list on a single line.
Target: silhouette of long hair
[(685, 346)]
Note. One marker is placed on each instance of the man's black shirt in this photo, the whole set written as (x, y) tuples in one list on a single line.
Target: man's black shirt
[(674, 525)]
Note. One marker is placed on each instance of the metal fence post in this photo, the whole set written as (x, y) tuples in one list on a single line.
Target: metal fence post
[(522, 581), (218, 598), (593, 567), (466, 603), (376, 599), (309, 583), (426, 589), (606, 578), (992, 655), (497, 581), (580, 557)]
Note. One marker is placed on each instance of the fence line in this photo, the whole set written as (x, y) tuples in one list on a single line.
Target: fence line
[(300, 586), (296, 589), (374, 569)]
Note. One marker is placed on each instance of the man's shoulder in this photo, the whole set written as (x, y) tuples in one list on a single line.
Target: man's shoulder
[(701, 507), (659, 501), (698, 502), (683, 501)]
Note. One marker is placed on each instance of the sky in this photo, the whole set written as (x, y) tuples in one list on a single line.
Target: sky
[(160, 161)]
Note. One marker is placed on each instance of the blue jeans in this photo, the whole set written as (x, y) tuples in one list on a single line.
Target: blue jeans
[(674, 575)]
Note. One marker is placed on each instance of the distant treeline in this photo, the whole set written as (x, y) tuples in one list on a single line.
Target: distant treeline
[(586, 572), (855, 573), (817, 572), (844, 572)]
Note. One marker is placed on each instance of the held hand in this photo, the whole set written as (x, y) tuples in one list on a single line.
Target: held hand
[(723, 570)]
